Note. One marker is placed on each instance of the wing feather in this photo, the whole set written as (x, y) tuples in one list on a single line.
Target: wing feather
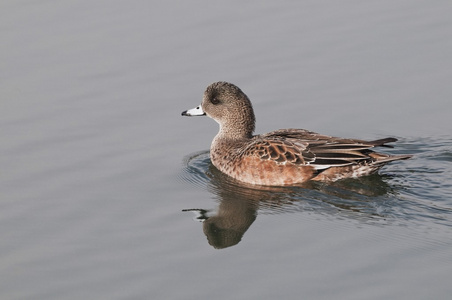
[(303, 147)]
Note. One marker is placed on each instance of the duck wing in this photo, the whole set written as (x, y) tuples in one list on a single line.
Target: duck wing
[(303, 147)]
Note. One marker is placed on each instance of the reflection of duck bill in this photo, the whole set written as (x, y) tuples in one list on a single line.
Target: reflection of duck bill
[(200, 214)]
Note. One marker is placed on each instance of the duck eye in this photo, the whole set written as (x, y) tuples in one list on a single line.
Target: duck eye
[(215, 101)]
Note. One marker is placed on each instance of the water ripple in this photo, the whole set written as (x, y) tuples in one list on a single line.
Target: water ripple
[(417, 190)]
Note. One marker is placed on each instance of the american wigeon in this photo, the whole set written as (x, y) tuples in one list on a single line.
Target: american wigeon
[(285, 156)]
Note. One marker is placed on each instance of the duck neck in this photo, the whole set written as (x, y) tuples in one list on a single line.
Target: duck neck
[(238, 128)]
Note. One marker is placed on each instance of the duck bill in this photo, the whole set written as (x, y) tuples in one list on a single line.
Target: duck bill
[(197, 111)]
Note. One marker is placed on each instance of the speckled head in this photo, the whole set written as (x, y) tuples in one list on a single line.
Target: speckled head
[(231, 108)]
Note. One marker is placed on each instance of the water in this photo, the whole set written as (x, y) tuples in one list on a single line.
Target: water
[(104, 185)]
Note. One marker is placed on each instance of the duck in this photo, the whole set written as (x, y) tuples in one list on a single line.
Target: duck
[(282, 157)]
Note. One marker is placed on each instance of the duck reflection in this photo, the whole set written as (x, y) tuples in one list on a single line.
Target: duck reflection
[(227, 226), (239, 203)]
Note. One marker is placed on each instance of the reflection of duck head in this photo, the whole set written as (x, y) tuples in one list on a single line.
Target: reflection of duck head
[(239, 202), (234, 217)]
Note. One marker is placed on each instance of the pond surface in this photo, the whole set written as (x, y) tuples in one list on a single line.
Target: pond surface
[(108, 193)]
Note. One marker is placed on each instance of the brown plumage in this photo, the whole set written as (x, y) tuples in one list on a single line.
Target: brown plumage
[(285, 156)]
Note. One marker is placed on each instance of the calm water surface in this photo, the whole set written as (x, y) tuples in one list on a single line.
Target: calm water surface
[(108, 193)]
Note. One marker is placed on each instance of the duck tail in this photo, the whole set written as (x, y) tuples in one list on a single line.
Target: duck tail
[(380, 158), (382, 142)]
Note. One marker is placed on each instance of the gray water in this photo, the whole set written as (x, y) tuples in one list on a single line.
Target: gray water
[(108, 193)]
